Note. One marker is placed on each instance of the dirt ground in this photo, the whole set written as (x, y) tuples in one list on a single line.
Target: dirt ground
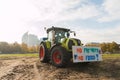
[(31, 69)]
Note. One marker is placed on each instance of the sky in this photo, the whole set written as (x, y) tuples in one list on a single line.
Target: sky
[(92, 20)]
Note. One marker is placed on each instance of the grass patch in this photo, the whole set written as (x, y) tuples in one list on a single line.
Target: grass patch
[(19, 55), (105, 56), (110, 56)]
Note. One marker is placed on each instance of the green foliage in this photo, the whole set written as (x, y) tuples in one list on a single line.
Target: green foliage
[(103, 47), (110, 56), (19, 55), (4, 47), (110, 47), (24, 47), (105, 56), (17, 48)]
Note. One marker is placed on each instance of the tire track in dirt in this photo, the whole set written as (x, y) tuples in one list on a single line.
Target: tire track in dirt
[(8, 69), (32, 69), (21, 69), (25, 71), (36, 72)]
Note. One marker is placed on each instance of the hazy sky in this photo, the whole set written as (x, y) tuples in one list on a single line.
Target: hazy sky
[(93, 20)]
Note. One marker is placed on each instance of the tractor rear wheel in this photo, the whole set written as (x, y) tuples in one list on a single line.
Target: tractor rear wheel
[(59, 56), (43, 53)]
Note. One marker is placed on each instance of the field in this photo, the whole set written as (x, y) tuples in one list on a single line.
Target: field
[(108, 56), (28, 67)]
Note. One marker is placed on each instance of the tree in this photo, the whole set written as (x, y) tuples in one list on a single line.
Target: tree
[(24, 47), (114, 46), (103, 47), (32, 49), (16, 47), (4, 47), (37, 48), (109, 47)]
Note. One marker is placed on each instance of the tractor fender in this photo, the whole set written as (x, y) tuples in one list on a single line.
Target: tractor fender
[(68, 43), (42, 42), (54, 46), (46, 43)]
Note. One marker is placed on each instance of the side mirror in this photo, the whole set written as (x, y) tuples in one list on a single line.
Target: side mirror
[(73, 32)]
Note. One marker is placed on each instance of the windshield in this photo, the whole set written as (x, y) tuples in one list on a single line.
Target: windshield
[(59, 35)]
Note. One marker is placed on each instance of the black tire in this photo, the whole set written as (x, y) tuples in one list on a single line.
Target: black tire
[(43, 53), (59, 56)]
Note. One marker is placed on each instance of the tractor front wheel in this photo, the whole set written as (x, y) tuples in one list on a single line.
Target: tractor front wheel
[(59, 56)]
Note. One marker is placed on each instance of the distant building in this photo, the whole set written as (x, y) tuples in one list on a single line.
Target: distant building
[(95, 44), (30, 39)]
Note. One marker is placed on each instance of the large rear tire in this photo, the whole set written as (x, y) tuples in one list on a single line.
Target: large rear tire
[(43, 53), (59, 56)]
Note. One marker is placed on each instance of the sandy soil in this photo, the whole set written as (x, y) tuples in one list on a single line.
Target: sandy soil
[(31, 69)]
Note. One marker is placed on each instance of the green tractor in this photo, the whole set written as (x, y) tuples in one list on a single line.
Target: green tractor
[(59, 49)]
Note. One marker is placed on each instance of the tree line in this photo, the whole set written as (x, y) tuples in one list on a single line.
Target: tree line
[(112, 47), (5, 47), (17, 48)]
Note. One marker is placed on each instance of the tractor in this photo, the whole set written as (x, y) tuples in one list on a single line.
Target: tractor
[(59, 49)]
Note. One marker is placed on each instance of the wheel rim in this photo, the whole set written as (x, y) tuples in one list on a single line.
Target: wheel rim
[(41, 53), (57, 57)]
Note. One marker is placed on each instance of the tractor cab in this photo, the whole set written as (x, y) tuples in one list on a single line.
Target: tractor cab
[(55, 34)]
